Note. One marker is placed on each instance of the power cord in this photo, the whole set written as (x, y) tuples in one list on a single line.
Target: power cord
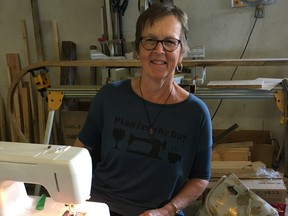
[(236, 68)]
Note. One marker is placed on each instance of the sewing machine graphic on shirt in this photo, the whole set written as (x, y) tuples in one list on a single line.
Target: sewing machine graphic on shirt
[(155, 146), (150, 147)]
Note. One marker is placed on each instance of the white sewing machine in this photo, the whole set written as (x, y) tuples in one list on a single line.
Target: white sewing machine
[(64, 171)]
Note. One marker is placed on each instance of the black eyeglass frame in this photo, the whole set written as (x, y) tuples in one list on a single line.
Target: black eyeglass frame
[(160, 41)]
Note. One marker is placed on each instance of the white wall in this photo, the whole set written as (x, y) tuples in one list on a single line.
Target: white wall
[(221, 29)]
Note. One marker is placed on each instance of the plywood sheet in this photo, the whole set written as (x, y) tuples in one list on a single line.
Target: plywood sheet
[(236, 84)]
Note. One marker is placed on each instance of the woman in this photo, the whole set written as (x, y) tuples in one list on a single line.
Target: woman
[(150, 139)]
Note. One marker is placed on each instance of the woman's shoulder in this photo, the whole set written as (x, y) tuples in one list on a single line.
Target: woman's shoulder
[(193, 98), (195, 101), (116, 85), (112, 90)]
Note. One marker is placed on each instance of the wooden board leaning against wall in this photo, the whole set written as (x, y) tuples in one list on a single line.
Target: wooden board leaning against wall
[(22, 98), (3, 135)]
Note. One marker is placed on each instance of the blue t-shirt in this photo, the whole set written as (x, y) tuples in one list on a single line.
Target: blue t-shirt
[(134, 171)]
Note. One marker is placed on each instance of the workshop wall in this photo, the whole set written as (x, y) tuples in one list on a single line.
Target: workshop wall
[(221, 29)]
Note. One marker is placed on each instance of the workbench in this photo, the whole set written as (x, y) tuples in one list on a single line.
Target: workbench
[(204, 93)]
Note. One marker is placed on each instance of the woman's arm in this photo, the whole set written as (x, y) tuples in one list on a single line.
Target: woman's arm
[(190, 192), (78, 143)]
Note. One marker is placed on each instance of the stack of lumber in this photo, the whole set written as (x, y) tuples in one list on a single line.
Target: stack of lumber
[(22, 99), (240, 151), (29, 107), (233, 157), (243, 169)]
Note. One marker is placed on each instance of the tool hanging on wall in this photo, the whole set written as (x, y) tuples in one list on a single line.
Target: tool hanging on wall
[(144, 4), (108, 30), (118, 8)]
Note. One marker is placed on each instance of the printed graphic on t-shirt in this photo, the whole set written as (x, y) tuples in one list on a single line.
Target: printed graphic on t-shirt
[(154, 146)]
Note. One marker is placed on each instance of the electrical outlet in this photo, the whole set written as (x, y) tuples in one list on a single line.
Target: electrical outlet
[(259, 11), (237, 4)]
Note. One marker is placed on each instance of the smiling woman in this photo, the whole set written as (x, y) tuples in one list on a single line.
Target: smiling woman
[(151, 139)]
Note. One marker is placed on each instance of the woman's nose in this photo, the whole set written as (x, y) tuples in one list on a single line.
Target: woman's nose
[(159, 47)]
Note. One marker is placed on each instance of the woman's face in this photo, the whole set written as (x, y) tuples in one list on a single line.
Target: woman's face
[(159, 63)]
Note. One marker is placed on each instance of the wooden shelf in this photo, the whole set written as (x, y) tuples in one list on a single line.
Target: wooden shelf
[(185, 62)]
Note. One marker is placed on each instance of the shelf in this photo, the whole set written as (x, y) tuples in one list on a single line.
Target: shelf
[(88, 91), (185, 62)]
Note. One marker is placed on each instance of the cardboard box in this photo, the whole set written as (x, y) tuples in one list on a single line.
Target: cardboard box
[(71, 123), (265, 153), (271, 190)]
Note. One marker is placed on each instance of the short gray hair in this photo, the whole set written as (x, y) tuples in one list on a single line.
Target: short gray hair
[(157, 11)]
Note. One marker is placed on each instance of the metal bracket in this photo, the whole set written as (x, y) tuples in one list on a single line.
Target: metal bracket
[(55, 100), (280, 100)]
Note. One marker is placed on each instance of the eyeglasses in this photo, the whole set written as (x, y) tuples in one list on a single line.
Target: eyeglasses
[(169, 44)]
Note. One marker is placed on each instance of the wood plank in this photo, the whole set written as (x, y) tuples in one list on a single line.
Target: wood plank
[(13, 69), (248, 144), (231, 164), (55, 39), (34, 110), (42, 108), (57, 72), (243, 169), (232, 149), (26, 42), (22, 100), (32, 91), (13, 64), (252, 84), (29, 81), (236, 62), (3, 136), (13, 113), (17, 113), (116, 62), (37, 30), (220, 168), (26, 112), (236, 154)]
